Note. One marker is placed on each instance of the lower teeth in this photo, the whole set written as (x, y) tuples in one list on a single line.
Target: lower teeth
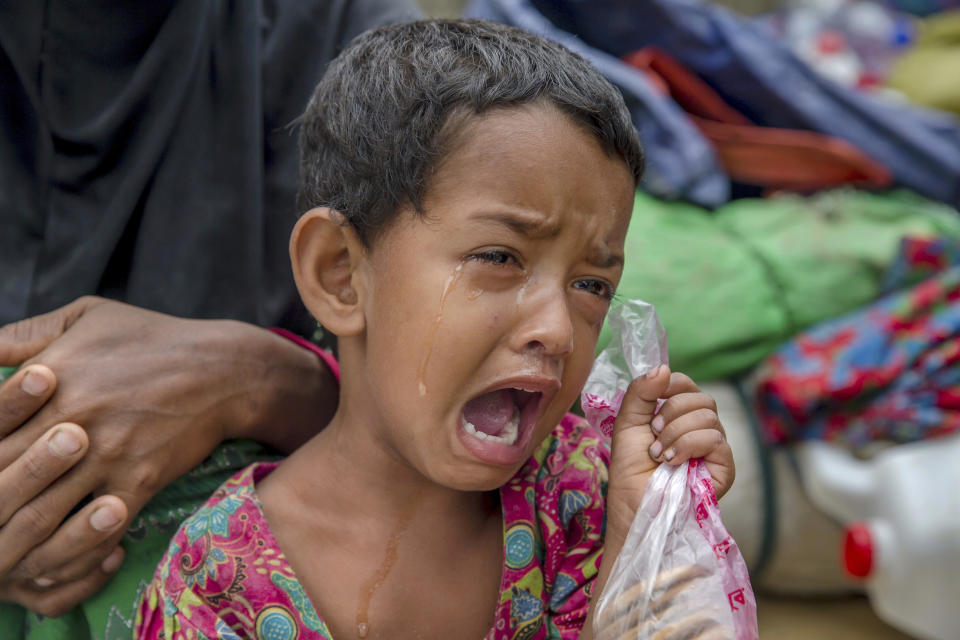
[(507, 436)]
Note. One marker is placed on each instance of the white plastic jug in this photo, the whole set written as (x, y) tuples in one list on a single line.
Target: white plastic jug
[(902, 512)]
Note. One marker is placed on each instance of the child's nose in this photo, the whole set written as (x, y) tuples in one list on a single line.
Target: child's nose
[(545, 324)]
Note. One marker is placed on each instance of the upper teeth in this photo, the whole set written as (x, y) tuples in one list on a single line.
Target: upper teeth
[(508, 436)]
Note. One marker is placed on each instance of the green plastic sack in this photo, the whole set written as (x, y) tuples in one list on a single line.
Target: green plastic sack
[(730, 285)]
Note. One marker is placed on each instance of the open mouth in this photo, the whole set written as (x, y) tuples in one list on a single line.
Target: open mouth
[(500, 416)]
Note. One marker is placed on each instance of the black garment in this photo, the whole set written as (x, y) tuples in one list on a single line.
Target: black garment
[(145, 154)]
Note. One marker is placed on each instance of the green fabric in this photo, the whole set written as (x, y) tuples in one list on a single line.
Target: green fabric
[(732, 284)]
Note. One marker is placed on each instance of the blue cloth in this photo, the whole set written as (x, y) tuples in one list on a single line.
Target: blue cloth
[(764, 80), (755, 74)]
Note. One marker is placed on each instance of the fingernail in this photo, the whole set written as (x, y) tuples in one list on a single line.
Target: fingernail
[(104, 519), (668, 454), (655, 449), (657, 424), (43, 583), (653, 372), (64, 443), (34, 384), (112, 562)]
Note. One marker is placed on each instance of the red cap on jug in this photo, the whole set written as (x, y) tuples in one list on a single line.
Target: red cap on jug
[(858, 550)]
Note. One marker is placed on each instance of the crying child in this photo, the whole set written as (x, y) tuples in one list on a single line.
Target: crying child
[(467, 188)]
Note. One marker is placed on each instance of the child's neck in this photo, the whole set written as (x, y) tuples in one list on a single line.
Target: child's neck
[(348, 468), (371, 538), (350, 465)]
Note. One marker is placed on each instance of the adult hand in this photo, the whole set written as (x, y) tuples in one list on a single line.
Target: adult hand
[(145, 397)]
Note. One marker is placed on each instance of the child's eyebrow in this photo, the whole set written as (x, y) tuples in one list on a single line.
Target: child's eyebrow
[(534, 225), (527, 224), (604, 258)]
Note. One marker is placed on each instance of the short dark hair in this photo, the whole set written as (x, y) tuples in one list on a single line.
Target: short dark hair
[(378, 121)]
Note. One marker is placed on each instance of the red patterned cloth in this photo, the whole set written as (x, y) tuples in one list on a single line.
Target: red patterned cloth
[(890, 371), (225, 577)]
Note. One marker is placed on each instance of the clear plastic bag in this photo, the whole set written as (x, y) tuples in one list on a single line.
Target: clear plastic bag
[(679, 575), (637, 345)]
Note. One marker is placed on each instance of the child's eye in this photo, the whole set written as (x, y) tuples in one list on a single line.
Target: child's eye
[(596, 287), (495, 256)]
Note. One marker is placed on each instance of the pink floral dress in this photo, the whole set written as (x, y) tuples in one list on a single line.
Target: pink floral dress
[(225, 577)]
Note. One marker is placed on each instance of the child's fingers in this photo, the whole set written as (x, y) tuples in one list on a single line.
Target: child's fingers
[(698, 420), (684, 404), (640, 401), (680, 383), (700, 443)]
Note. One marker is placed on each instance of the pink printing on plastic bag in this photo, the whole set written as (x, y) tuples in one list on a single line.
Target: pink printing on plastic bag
[(679, 574)]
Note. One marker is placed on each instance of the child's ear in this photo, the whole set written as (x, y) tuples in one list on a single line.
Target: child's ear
[(326, 253)]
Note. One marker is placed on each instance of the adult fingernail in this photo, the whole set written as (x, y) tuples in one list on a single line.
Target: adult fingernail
[(34, 384), (43, 583), (653, 372), (655, 449), (113, 561), (104, 519), (657, 423), (64, 443), (668, 454)]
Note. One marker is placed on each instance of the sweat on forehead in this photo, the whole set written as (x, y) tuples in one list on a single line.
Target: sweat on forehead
[(384, 112)]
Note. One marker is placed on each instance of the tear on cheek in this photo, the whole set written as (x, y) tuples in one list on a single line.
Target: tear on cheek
[(522, 291), (448, 286)]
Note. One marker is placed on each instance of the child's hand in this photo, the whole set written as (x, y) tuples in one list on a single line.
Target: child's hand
[(686, 426)]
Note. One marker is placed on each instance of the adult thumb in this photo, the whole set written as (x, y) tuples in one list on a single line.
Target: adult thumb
[(641, 400), (22, 340)]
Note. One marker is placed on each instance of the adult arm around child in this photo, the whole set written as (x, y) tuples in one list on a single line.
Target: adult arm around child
[(143, 397)]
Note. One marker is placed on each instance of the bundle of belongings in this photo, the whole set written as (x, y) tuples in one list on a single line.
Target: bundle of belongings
[(889, 371)]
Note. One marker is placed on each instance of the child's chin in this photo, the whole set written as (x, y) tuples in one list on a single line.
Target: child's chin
[(479, 482)]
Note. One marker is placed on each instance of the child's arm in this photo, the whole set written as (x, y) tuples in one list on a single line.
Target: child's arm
[(686, 426)]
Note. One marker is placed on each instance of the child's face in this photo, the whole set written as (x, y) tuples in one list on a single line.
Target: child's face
[(484, 315)]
